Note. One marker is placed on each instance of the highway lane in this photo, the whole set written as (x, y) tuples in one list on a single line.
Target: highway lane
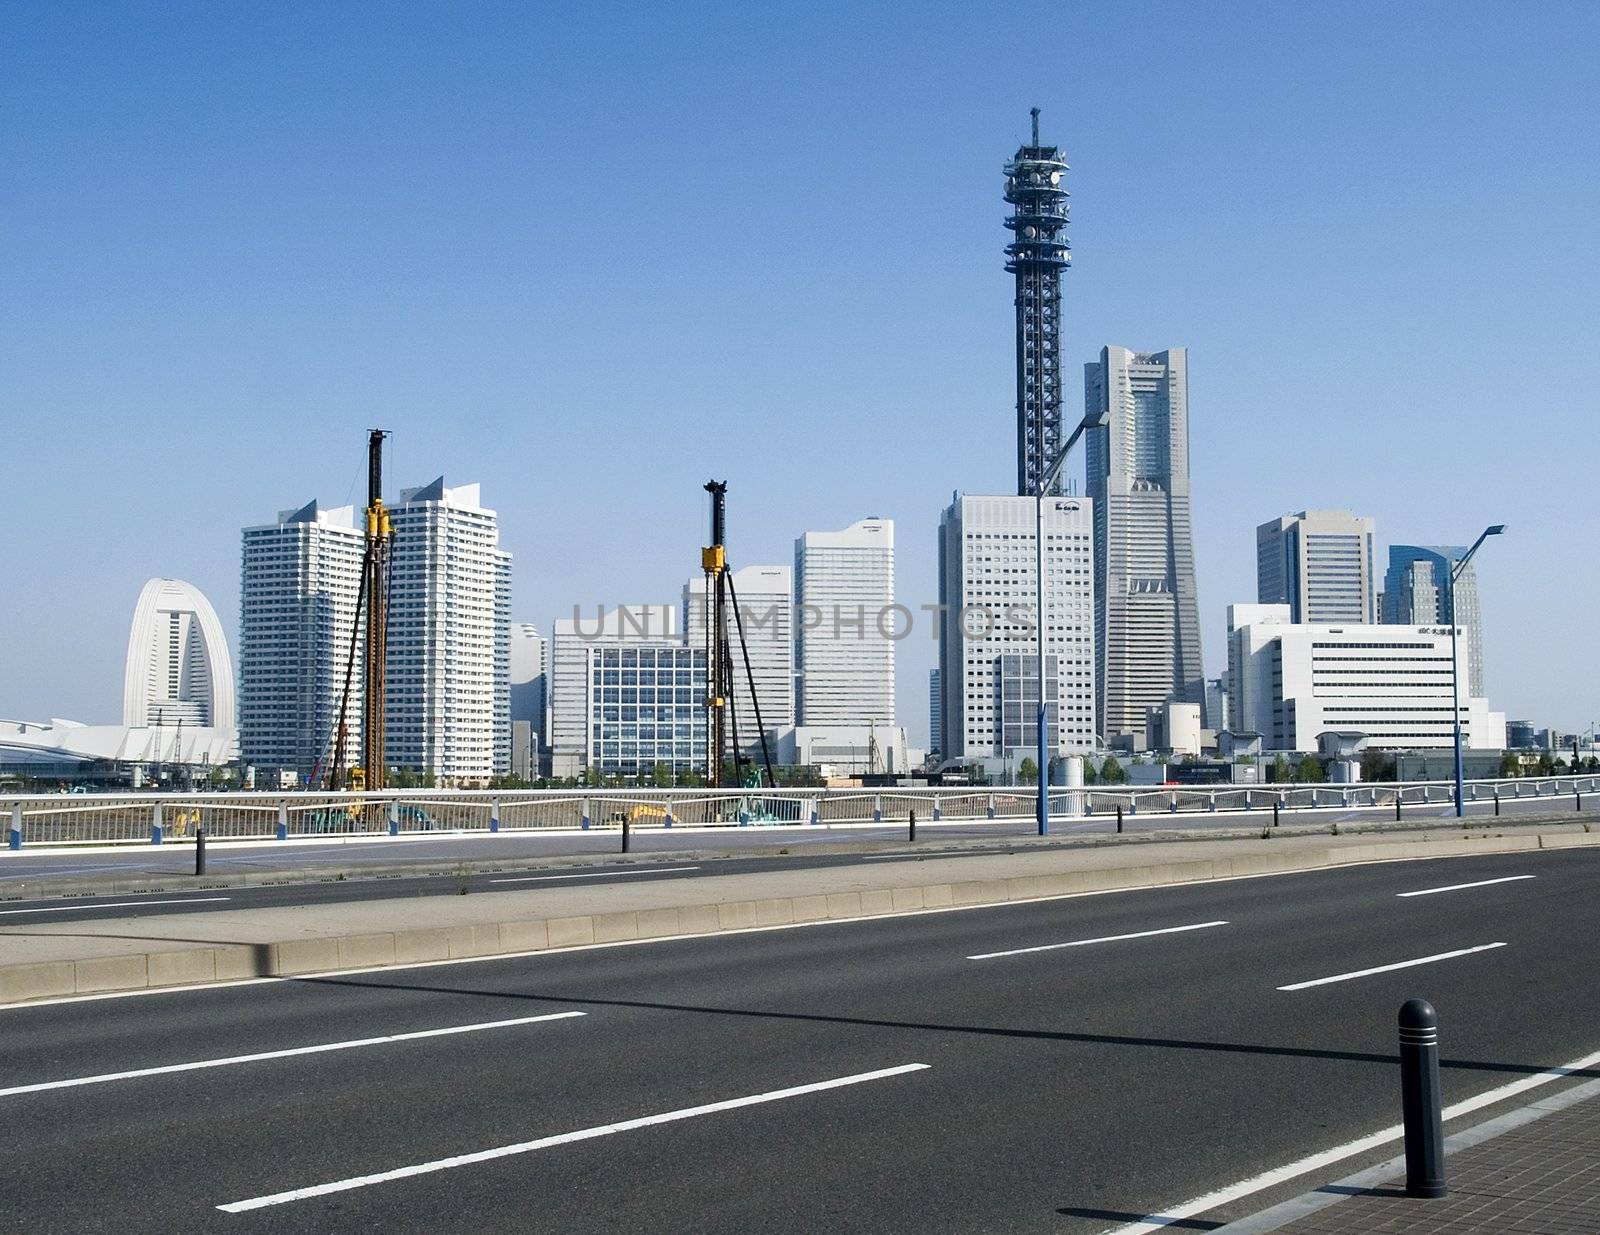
[(1065, 1089), (354, 855)]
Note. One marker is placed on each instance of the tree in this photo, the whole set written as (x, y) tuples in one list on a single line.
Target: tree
[(1310, 771), (1280, 771), (1375, 765), (1111, 772), (1545, 765), (1028, 771), (1090, 776), (1510, 764), (661, 775)]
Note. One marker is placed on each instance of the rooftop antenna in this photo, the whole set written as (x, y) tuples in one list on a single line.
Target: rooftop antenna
[(1034, 112)]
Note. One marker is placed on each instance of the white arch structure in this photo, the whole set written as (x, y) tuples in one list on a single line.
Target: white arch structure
[(179, 669)]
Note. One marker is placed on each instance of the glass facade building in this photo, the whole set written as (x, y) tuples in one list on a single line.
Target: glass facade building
[(647, 707)]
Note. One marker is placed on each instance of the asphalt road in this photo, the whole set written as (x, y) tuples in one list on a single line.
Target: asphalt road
[(177, 857), (765, 1081)]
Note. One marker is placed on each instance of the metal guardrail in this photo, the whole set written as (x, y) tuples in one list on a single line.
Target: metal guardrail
[(158, 818)]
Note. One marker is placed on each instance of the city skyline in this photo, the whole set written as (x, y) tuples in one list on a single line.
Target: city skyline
[(481, 355)]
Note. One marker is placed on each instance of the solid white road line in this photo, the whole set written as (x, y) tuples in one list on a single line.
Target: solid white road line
[(1083, 943), (1315, 1162), (193, 900), (320, 1048), (1362, 973), (1457, 887), (564, 1138), (654, 870)]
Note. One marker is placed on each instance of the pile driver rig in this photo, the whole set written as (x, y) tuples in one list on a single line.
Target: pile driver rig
[(372, 604), (722, 721)]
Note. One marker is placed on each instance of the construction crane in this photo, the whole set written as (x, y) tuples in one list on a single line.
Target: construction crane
[(372, 605), (722, 721)]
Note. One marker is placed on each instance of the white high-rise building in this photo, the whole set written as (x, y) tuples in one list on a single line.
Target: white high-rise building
[(988, 637), (1320, 564), (1292, 681), (766, 606), (178, 669), (1147, 617), (845, 624), (299, 582), (448, 667)]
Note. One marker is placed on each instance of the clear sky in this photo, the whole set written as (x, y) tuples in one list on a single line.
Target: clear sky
[(591, 255)]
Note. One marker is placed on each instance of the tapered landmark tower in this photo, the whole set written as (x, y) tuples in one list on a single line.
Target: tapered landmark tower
[(1037, 255)]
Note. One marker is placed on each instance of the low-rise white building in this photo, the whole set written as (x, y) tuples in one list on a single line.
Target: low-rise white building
[(1293, 681)]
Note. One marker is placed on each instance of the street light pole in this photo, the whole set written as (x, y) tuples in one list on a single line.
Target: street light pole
[(1455, 662), (1091, 420)]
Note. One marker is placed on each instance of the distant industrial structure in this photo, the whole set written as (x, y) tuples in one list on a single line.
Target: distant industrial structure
[(1037, 255)]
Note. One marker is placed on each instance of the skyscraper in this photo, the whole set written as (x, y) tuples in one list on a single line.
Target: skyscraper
[(530, 681), (844, 597), (988, 636), (1037, 255), (1147, 619), (1319, 563), (935, 713), (299, 582), (1416, 592), (448, 709), (178, 669), (766, 605)]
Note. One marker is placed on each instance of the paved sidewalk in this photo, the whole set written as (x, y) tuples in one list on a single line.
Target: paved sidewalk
[(1536, 1169)]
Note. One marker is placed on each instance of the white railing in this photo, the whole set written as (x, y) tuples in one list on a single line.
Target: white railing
[(158, 818)]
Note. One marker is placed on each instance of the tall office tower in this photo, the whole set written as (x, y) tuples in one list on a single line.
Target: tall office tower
[(448, 708), (845, 623), (178, 671), (988, 638), (1147, 618), (766, 606), (1319, 563), (935, 714), (530, 684), (299, 582), (1416, 592), (627, 693), (1037, 255)]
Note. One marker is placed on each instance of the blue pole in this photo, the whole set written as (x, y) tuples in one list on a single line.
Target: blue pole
[(1455, 695)]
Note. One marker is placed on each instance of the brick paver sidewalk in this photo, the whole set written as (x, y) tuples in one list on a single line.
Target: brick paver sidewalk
[(1534, 1170)]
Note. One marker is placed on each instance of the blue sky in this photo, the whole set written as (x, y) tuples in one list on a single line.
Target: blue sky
[(590, 255)]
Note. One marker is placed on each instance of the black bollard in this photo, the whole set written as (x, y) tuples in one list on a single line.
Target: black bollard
[(1419, 1098), (624, 831), (913, 825), (1497, 803), (1397, 804), (1119, 818), (199, 851), (1274, 814), (1577, 800)]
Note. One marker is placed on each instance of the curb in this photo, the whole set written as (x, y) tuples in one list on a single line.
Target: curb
[(177, 967)]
